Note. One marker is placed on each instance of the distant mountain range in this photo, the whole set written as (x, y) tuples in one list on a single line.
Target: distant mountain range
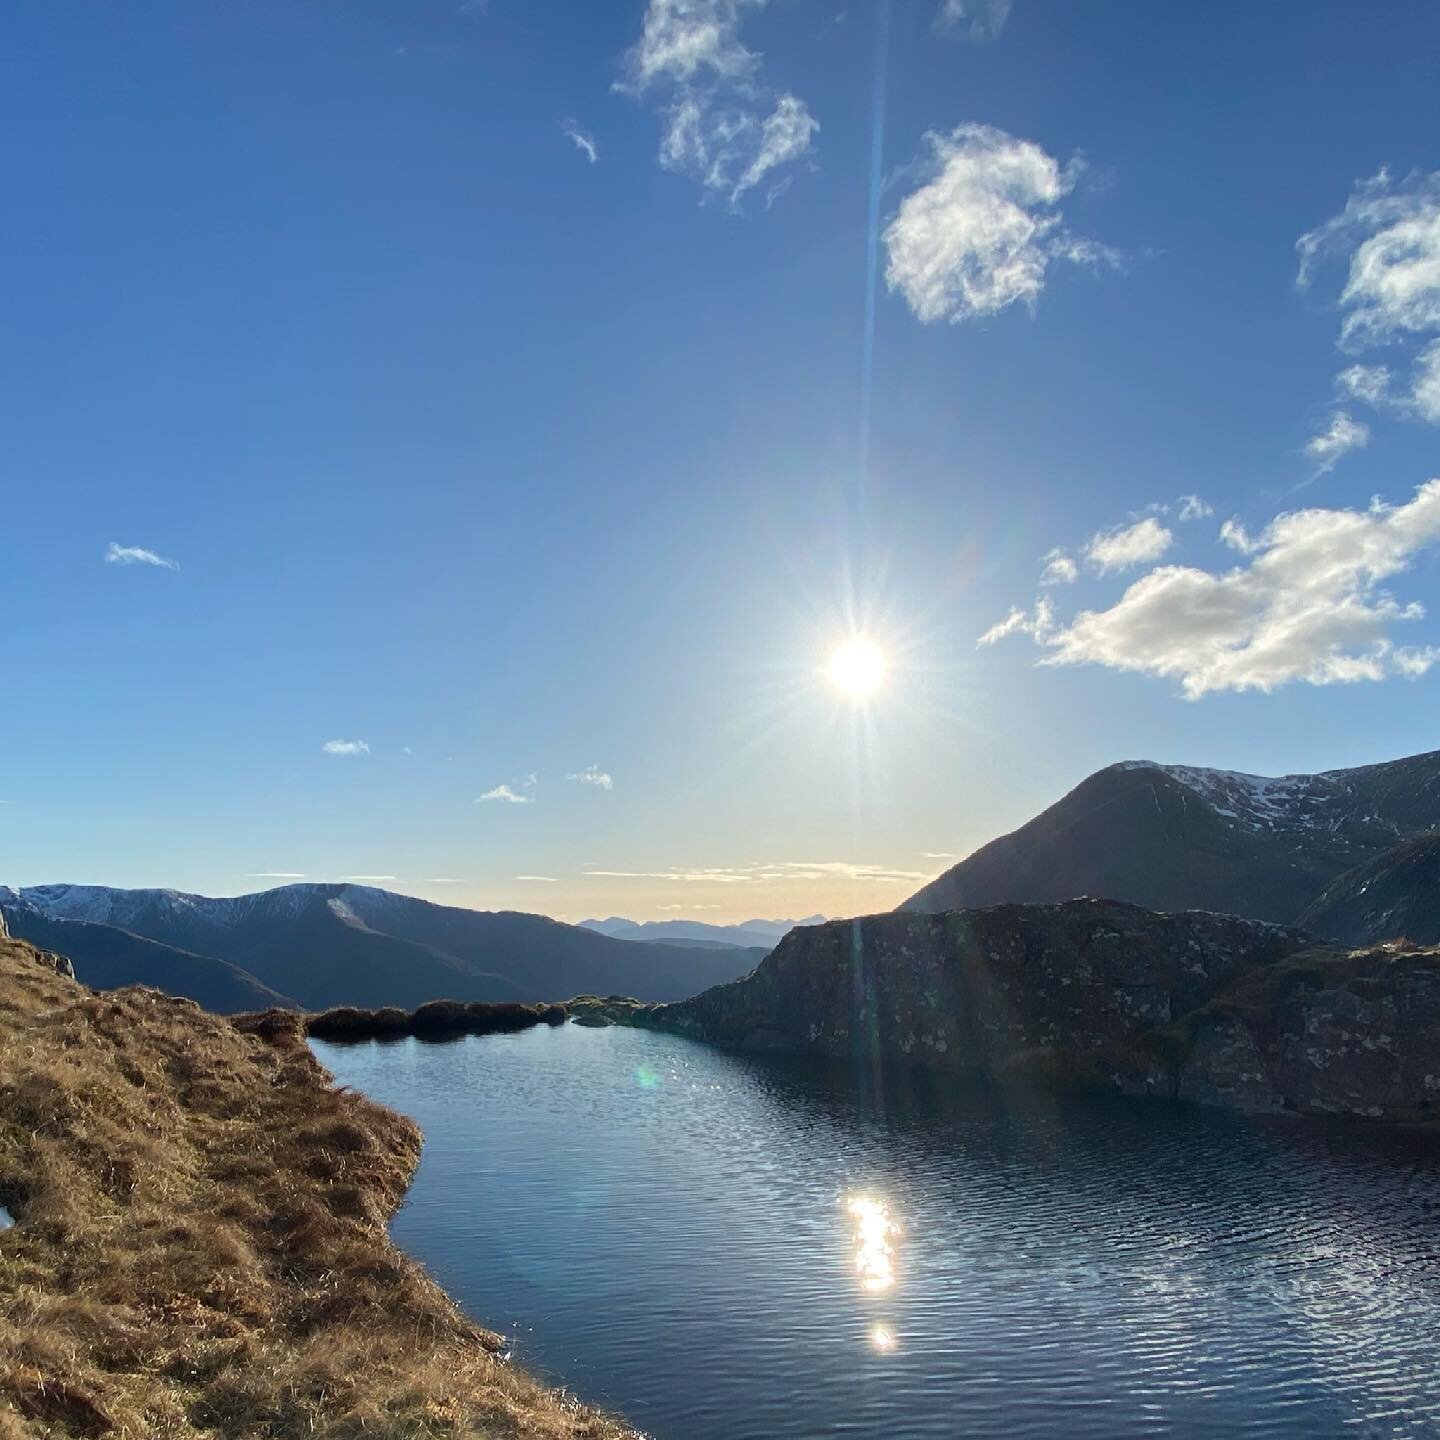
[(320, 945), (1176, 837), (765, 934)]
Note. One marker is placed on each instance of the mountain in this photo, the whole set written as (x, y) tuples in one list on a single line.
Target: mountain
[(357, 945), (106, 957), (1176, 837), (1395, 894), (765, 934)]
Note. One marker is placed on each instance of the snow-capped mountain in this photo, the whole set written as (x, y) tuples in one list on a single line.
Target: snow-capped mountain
[(1177, 837), (333, 944)]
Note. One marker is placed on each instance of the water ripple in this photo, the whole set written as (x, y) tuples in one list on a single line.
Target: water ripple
[(721, 1247)]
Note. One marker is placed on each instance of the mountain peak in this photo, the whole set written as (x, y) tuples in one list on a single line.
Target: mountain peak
[(1175, 837)]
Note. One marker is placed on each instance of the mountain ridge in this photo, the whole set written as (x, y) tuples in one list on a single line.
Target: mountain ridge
[(338, 943), (749, 933)]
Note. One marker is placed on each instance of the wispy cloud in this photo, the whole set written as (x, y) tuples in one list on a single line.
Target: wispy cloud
[(978, 21), (938, 855), (1128, 546), (758, 873), (1192, 507), (346, 747), (505, 795), (1388, 240), (582, 140), (276, 875), (1308, 606), (983, 229), (593, 775), (1059, 569), (1342, 435), (137, 555), (439, 880), (540, 879), (723, 126)]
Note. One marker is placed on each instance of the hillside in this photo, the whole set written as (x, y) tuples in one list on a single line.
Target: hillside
[(1194, 1006), (1395, 894), (201, 1246), (344, 944), (108, 957), (1173, 837)]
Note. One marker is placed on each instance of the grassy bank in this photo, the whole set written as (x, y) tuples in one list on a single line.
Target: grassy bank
[(201, 1243)]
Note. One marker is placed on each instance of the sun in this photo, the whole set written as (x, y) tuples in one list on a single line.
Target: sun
[(857, 668)]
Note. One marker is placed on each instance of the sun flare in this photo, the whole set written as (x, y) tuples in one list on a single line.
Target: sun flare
[(858, 667)]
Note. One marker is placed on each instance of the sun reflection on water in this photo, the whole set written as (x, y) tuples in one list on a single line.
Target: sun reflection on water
[(874, 1230), (882, 1337)]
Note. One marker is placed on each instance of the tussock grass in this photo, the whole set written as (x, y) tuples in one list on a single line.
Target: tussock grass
[(201, 1246)]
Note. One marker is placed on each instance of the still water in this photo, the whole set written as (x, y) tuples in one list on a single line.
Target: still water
[(717, 1246)]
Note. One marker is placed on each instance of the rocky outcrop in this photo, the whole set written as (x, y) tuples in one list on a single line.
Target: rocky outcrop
[(1194, 1006)]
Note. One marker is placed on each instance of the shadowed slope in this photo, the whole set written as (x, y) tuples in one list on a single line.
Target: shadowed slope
[(105, 957), (1396, 894)]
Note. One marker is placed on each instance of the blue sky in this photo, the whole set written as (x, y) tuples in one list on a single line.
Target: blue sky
[(507, 464)]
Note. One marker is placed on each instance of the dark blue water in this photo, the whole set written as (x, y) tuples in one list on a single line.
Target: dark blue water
[(721, 1247)]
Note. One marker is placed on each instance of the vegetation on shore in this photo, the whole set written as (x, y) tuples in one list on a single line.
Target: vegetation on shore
[(435, 1020), (201, 1243)]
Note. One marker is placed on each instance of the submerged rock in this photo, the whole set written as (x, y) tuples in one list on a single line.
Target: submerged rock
[(1204, 1007)]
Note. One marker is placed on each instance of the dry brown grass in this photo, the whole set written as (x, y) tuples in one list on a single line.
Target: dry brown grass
[(202, 1245)]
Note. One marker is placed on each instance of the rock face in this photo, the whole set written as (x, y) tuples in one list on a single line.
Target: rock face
[(1195, 1006), (1179, 837)]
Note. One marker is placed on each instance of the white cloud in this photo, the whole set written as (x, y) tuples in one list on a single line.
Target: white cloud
[(593, 775), (506, 795), (978, 21), (545, 879), (1037, 623), (276, 875), (1388, 237), (723, 127), (346, 747), (137, 555), (1192, 507), (982, 230), (938, 855), (1391, 234), (1132, 545), (1369, 384), (1308, 606), (582, 140), (1425, 393), (1059, 569), (1337, 440), (1237, 537)]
